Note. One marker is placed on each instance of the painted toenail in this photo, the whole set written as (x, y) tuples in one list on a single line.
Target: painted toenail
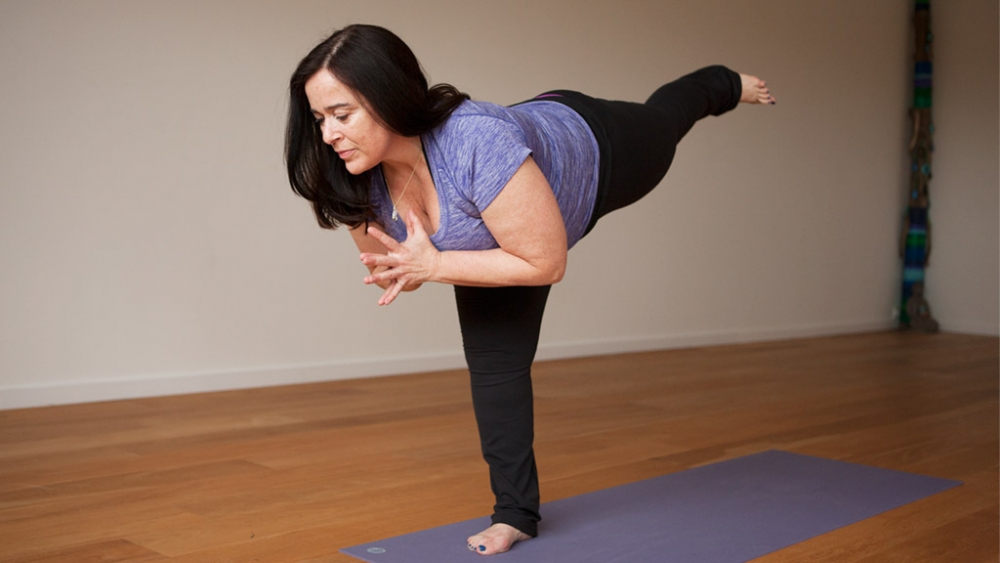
[(482, 548)]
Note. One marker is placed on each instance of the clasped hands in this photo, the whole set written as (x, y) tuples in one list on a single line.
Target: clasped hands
[(405, 265)]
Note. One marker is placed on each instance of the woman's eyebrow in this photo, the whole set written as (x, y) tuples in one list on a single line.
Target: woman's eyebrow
[(336, 106)]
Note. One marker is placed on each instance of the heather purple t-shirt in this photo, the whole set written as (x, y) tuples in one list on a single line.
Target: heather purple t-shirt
[(475, 153)]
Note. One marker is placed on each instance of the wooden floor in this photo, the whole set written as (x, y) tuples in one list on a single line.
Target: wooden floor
[(292, 474)]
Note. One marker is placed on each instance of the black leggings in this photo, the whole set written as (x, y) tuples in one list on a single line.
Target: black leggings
[(500, 326)]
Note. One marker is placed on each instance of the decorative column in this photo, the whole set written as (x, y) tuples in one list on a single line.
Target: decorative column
[(915, 243)]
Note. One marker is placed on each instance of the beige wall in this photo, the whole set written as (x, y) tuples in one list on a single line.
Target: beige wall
[(963, 282), (149, 242)]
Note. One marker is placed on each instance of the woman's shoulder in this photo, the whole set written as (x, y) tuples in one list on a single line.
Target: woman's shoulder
[(474, 123), (473, 108), (473, 117), (479, 139)]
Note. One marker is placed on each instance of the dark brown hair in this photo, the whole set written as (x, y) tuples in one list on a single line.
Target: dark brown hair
[(386, 76)]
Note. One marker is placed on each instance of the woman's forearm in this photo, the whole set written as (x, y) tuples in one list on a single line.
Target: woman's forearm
[(495, 268), (417, 261)]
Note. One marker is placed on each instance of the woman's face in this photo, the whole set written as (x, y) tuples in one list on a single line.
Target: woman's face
[(346, 124)]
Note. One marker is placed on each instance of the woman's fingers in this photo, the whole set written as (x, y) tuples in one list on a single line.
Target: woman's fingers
[(376, 260), (414, 227), (391, 292), (390, 243), (389, 276)]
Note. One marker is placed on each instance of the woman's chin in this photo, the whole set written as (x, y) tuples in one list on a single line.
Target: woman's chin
[(356, 167)]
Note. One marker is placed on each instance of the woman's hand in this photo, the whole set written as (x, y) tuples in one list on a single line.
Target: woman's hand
[(407, 264)]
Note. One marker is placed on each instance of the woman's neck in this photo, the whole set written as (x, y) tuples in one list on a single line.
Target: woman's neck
[(404, 157)]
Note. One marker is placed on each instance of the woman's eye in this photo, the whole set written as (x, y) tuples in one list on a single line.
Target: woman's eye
[(341, 118)]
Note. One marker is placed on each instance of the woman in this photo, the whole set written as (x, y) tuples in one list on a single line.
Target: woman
[(436, 187)]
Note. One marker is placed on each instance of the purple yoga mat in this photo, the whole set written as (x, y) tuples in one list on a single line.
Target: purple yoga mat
[(727, 512)]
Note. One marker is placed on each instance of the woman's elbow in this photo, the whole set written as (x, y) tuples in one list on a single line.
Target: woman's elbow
[(555, 271)]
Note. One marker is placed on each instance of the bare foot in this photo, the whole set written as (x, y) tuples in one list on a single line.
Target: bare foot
[(498, 538), (755, 91)]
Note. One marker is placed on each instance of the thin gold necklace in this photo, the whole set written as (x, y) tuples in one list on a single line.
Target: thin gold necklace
[(395, 214)]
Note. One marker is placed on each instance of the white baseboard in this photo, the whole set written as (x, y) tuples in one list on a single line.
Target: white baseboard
[(702, 339), (980, 329), (61, 393)]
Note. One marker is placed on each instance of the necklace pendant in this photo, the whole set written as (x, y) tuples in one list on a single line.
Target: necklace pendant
[(395, 213)]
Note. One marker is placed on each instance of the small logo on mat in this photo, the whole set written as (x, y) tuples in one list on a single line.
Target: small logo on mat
[(375, 550)]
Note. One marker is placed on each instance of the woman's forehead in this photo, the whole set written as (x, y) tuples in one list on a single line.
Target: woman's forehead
[(326, 92)]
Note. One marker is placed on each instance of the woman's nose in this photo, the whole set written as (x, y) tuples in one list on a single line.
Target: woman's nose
[(330, 133)]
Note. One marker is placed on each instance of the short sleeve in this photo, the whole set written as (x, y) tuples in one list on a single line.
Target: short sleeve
[(486, 151)]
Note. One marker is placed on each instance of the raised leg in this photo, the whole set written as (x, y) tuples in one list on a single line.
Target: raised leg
[(641, 139)]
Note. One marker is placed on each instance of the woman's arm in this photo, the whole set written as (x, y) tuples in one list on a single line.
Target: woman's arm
[(367, 243), (525, 221)]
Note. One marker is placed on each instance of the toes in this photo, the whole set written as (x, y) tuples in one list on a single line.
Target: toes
[(477, 544), (764, 96), (483, 545)]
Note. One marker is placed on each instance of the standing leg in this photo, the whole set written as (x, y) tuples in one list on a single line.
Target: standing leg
[(500, 328)]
